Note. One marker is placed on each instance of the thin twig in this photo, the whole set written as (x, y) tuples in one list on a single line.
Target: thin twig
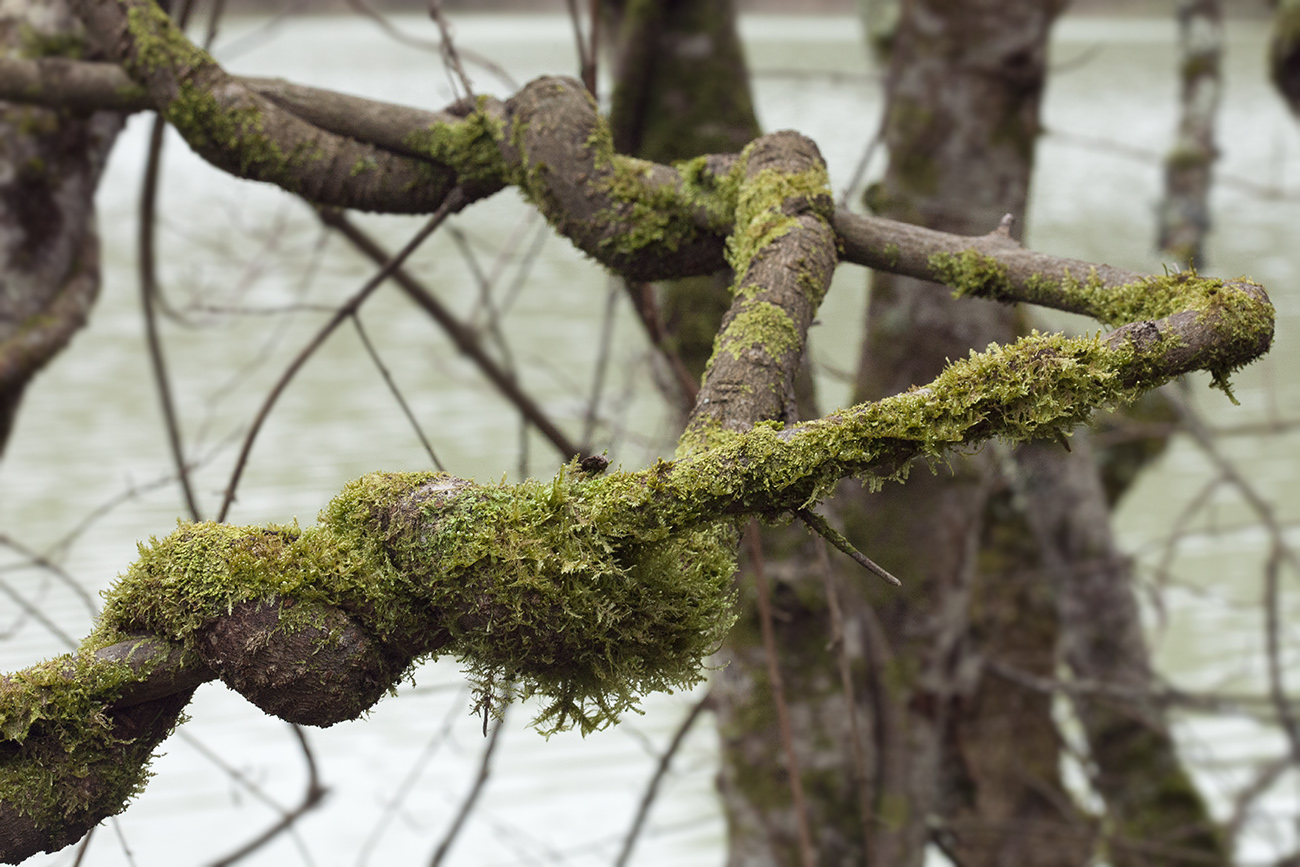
[(491, 314), (661, 771), (818, 525), (643, 302), (452, 203), (450, 57), (313, 795), (40, 561), (37, 614), (397, 393), (602, 367), (467, 806), (148, 293), (806, 856), (83, 848), (416, 768), (459, 334), (837, 644), (585, 63)]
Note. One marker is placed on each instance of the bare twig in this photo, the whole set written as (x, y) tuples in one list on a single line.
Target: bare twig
[(661, 770), (312, 797), (818, 525), (397, 393), (450, 56), (459, 334), (837, 644), (37, 614), (471, 798), (41, 561), (449, 205), (602, 366), (806, 856), (148, 294), (417, 766)]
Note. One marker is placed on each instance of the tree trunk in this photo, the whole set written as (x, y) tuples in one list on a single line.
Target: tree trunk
[(1185, 212), (49, 168)]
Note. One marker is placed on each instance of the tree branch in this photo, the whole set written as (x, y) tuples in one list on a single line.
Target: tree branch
[(587, 591)]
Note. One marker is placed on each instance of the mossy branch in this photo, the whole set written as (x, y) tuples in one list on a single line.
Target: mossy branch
[(584, 591)]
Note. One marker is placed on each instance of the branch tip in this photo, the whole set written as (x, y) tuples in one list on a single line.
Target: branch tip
[(818, 525)]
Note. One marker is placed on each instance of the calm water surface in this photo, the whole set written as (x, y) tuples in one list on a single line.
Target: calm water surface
[(235, 253)]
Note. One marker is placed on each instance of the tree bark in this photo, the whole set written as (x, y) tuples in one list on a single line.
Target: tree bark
[(49, 249)]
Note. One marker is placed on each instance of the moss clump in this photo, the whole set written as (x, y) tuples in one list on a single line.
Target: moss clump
[(159, 43), (234, 136), (59, 755), (971, 273), (660, 215), (470, 147), (548, 586), (553, 587), (762, 326), (760, 218)]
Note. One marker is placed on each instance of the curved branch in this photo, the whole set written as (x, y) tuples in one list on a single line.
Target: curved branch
[(244, 133)]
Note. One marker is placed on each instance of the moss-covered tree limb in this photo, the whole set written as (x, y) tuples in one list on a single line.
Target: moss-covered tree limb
[(588, 591), (641, 219), (242, 132), (783, 254)]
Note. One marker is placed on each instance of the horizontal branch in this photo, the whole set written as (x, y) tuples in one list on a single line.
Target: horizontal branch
[(643, 220)]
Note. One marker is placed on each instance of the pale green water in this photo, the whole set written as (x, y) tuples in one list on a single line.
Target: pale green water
[(90, 428)]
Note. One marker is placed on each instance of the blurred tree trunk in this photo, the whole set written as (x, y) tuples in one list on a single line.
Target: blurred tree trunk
[(1284, 52), (681, 89), (1185, 213), (1008, 557), (50, 163)]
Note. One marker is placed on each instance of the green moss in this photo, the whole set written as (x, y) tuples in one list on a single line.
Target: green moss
[(159, 43), (971, 273), (760, 326), (760, 219), (1241, 318), (538, 584), (662, 215), (237, 134), (470, 147), (1184, 158), (55, 738)]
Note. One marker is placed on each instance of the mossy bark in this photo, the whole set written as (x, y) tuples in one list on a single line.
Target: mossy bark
[(681, 89), (587, 589)]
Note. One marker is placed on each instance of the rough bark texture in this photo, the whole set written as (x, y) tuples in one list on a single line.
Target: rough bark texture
[(978, 770), (1185, 211), (49, 250)]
